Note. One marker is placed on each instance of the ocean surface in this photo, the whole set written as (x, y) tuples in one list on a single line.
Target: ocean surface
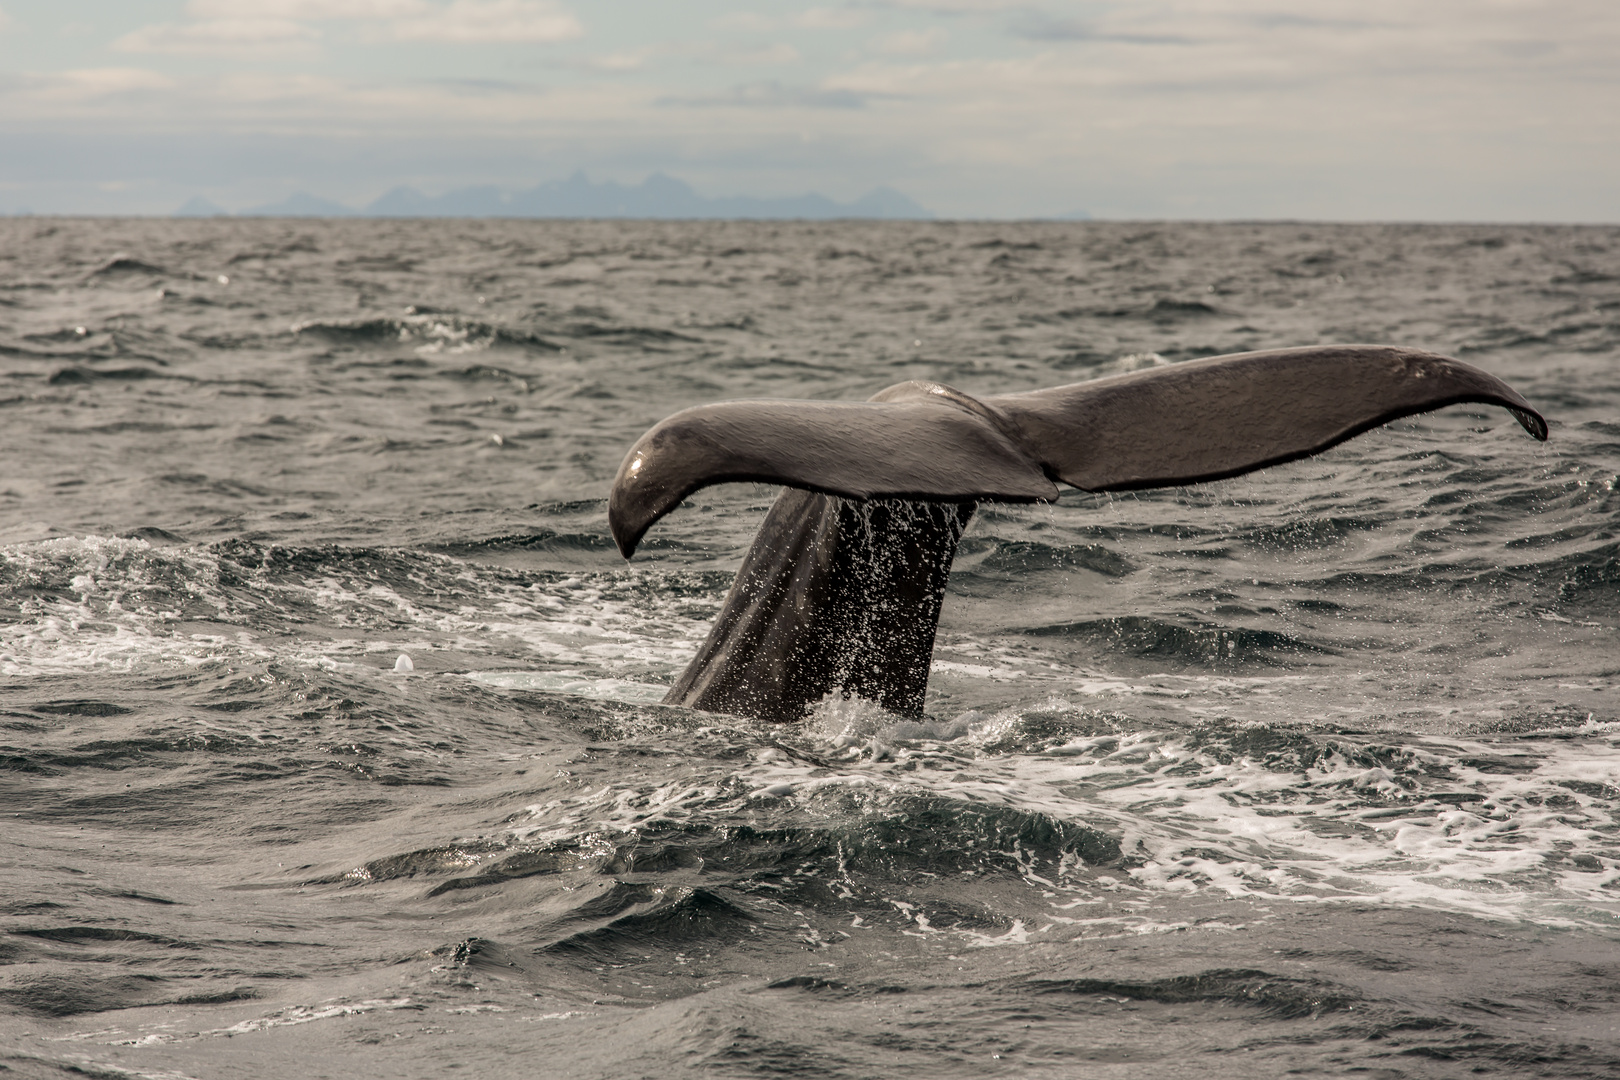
[(1311, 772)]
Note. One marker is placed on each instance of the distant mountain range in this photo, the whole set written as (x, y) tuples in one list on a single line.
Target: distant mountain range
[(658, 196)]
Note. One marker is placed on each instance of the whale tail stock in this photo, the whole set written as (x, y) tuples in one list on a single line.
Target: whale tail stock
[(833, 593), (836, 593)]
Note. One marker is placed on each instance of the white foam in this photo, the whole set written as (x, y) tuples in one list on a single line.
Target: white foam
[(568, 682), (289, 1017), (107, 604), (437, 333), (1404, 831), (1423, 824)]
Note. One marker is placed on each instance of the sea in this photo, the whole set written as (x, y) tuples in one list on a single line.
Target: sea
[(330, 734)]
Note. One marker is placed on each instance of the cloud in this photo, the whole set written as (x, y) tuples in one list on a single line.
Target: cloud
[(816, 18), (1270, 19), (956, 7), (219, 37), (527, 21), (629, 60), (1039, 26), (4, 19), (248, 100), (774, 95), (308, 10), (88, 85), (248, 27), (1524, 49), (764, 56), (912, 42), (742, 20), (1371, 108), (820, 18)]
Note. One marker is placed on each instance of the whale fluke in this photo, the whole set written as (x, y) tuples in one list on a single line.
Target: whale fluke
[(843, 585), (1162, 427), (1228, 415), (914, 440)]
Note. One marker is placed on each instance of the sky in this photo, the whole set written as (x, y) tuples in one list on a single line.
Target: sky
[(1350, 110)]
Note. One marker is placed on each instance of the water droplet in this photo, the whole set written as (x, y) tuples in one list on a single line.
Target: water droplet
[(403, 664)]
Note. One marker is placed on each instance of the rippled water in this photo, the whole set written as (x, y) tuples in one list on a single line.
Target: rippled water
[(1316, 769)]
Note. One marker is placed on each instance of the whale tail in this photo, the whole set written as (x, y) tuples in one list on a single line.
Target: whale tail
[(833, 594), (1162, 427), (843, 585)]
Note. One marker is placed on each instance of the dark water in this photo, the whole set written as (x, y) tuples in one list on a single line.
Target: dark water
[(1315, 771)]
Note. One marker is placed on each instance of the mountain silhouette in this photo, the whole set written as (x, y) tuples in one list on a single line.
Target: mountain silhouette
[(197, 206), (302, 204), (658, 196)]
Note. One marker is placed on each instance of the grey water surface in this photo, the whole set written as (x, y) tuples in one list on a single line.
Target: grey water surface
[(1311, 772)]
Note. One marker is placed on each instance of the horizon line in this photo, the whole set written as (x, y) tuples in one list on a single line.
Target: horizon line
[(1055, 219)]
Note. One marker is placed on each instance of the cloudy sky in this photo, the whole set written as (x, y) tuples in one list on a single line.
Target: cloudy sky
[(1499, 110)]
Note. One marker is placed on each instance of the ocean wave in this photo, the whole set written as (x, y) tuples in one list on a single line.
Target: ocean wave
[(622, 334), (1497, 829), (1260, 756), (120, 265), (113, 604), (1166, 641), (980, 554), (428, 333), (78, 374), (546, 540)]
